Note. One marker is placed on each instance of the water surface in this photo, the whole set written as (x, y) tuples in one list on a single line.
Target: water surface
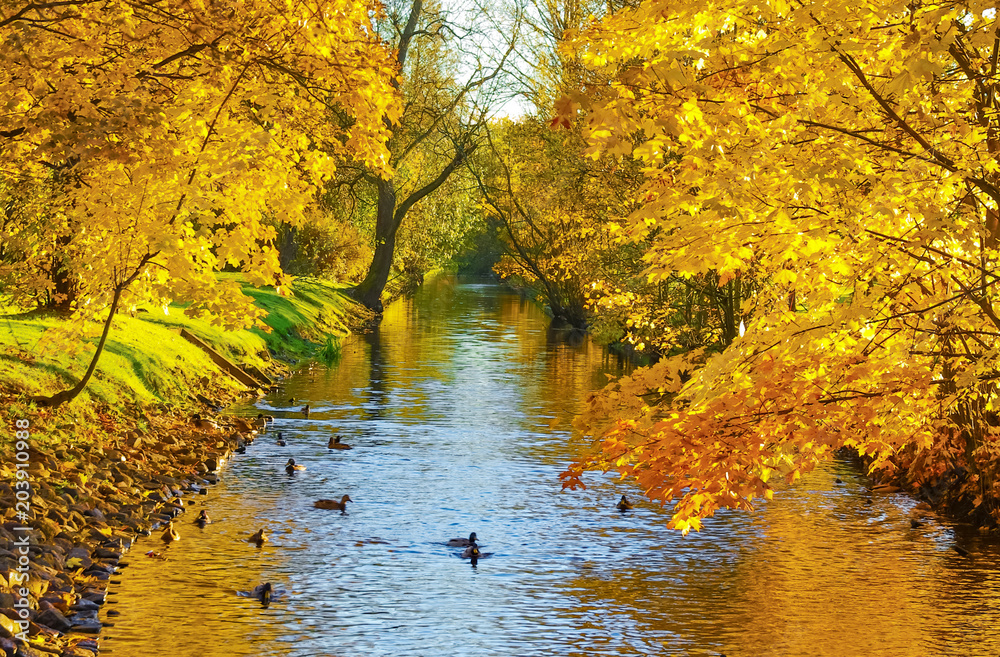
[(459, 412)]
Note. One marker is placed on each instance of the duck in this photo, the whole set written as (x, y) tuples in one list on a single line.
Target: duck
[(623, 504), (170, 534), (305, 410), (281, 441), (202, 424), (463, 542), (259, 538), (336, 444), (334, 504), (202, 519), (260, 422), (292, 466), (472, 552), (263, 593)]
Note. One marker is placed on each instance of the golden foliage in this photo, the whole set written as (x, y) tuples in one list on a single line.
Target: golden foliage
[(161, 134), (845, 156)]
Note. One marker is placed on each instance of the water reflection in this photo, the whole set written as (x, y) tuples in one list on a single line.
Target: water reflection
[(459, 411)]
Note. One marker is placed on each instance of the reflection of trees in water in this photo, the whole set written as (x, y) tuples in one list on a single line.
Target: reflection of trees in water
[(568, 362), (636, 611), (562, 332), (428, 341), (375, 408), (816, 572)]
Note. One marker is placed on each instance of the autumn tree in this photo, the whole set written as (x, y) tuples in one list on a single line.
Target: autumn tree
[(553, 208), (451, 69), (327, 245), (164, 133), (550, 212), (845, 156), (677, 314)]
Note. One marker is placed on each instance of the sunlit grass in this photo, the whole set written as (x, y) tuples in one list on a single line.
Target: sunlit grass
[(147, 361)]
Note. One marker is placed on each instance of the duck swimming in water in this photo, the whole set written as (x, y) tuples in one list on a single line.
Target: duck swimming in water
[(170, 534), (259, 538), (263, 593), (281, 441), (305, 410), (292, 466), (463, 542), (336, 444), (623, 504), (472, 552), (202, 519), (334, 504)]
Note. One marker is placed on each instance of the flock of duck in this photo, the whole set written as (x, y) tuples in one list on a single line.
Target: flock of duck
[(250, 428)]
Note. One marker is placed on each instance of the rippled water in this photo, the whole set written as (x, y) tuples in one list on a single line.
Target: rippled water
[(459, 412)]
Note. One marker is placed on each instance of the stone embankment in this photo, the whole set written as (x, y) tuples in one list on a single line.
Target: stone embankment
[(89, 502)]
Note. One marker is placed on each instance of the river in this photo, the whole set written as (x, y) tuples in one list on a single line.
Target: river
[(459, 412)]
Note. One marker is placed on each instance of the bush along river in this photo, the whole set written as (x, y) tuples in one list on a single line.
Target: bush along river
[(458, 412)]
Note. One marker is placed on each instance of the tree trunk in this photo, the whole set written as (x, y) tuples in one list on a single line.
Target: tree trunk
[(369, 291), (288, 247), (387, 222), (69, 395), (64, 291)]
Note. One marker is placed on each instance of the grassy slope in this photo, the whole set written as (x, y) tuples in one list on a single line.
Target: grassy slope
[(147, 362)]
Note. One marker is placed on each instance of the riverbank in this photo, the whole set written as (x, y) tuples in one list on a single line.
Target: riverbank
[(124, 458)]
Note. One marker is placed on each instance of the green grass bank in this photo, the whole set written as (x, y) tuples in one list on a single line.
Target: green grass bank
[(146, 362)]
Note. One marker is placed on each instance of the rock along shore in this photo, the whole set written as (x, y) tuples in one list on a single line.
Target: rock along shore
[(110, 492)]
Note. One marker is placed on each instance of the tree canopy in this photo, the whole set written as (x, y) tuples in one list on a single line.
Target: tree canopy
[(844, 156), (794, 206), (154, 138)]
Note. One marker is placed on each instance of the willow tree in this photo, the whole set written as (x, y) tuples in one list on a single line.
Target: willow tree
[(450, 74), (164, 132), (846, 156)]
